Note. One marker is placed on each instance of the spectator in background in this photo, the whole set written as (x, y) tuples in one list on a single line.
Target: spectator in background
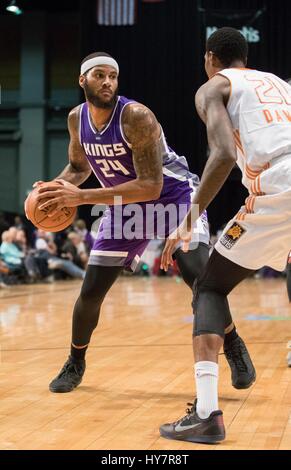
[(12, 256), (76, 250), (44, 241), (21, 241), (47, 248), (16, 255), (13, 233), (81, 229)]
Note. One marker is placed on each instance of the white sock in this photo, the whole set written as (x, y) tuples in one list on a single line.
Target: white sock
[(206, 376)]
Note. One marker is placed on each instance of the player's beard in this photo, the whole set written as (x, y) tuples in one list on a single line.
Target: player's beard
[(96, 100)]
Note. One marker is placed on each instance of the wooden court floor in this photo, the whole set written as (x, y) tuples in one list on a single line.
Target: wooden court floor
[(139, 368)]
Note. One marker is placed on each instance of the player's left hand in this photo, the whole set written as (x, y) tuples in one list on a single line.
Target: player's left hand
[(63, 194), (182, 233)]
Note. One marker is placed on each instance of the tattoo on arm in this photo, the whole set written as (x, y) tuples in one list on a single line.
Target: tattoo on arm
[(143, 132), (78, 169)]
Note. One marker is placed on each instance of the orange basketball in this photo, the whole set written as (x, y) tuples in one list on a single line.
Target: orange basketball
[(61, 220)]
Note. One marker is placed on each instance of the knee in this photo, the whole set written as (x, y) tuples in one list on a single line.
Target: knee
[(210, 310), (205, 344), (91, 295)]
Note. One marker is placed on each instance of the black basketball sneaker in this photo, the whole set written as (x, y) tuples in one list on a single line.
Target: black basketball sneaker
[(194, 429), (70, 376), (243, 373)]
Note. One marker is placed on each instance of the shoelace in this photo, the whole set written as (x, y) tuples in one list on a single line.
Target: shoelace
[(189, 411), (70, 367), (236, 354)]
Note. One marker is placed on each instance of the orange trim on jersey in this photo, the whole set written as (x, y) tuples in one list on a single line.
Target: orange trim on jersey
[(250, 173), (256, 189), (240, 148), (247, 203), (250, 203), (253, 174), (241, 215), (260, 192), (237, 140), (253, 204)]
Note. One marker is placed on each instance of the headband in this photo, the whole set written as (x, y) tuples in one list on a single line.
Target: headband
[(100, 60)]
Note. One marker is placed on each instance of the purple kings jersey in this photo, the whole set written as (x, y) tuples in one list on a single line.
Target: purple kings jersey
[(110, 156), (121, 240)]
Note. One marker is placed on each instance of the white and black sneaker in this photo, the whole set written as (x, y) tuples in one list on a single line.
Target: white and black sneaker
[(194, 429)]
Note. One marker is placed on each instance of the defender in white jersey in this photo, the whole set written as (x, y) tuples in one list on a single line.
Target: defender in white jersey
[(259, 107), (248, 118)]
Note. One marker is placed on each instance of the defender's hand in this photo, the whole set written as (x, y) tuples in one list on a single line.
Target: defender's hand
[(182, 233)]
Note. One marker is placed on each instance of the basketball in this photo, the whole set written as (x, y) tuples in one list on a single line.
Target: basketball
[(40, 219)]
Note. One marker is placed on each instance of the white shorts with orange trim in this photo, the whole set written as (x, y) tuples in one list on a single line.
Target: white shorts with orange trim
[(260, 234)]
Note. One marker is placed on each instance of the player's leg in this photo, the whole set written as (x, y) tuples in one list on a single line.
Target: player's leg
[(218, 280), (203, 422), (97, 282), (192, 264), (108, 258)]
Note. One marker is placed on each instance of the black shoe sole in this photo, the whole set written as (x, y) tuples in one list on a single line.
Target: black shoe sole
[(195, 439), (59, 390), (244, 387), (54, 390)]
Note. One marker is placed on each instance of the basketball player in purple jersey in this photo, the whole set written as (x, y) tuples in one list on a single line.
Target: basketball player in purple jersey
[(124, 145)]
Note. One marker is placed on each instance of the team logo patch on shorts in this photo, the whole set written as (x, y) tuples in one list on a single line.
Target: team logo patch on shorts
[(233, 234)]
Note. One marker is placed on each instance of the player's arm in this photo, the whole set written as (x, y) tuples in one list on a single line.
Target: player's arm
[(144, 134), (210, 102), (78, 168)]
